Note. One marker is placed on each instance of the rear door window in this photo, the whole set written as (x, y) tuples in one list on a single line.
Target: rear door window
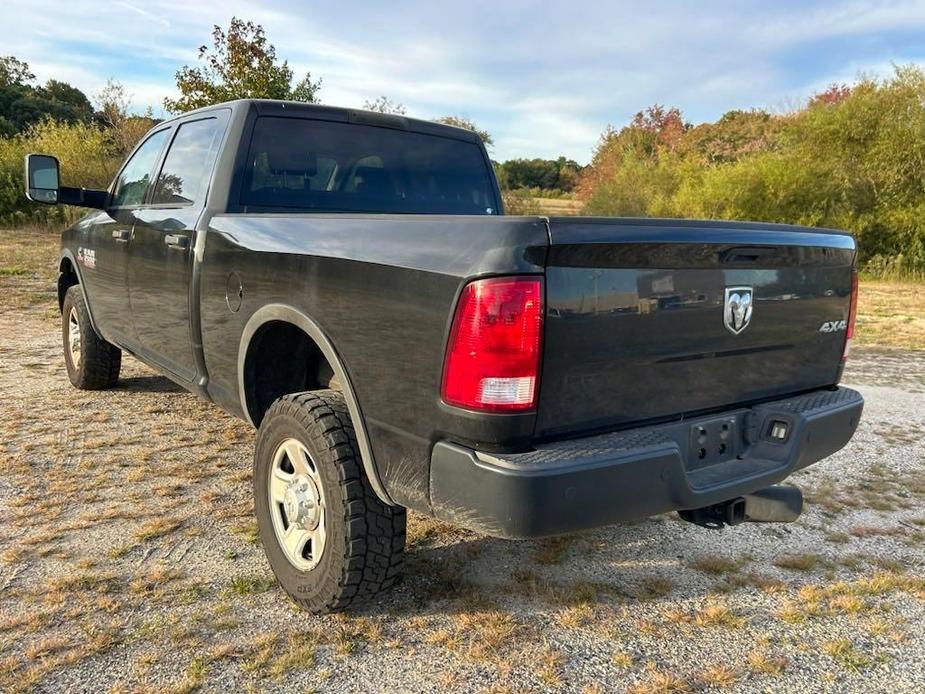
[(345, 167)]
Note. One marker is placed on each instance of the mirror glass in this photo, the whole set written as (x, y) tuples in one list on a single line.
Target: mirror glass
[(42, 177)]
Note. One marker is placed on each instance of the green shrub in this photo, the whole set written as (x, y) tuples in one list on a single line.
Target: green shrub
[(88, 157), (853, 158)]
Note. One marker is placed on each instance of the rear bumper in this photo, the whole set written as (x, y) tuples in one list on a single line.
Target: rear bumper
[(589, 482)]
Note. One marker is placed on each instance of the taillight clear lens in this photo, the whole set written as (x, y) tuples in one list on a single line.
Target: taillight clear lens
[(852, 313), (493, 356)]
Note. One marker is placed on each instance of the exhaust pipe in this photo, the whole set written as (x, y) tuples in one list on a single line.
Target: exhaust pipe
[(777, 504)]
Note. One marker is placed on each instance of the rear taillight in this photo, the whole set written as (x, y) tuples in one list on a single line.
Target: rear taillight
[(852, 313), (493, 356)]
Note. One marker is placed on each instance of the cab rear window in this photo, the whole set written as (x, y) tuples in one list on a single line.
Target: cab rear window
[(314, 165)]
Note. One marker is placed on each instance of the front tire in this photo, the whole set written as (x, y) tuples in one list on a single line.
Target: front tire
[(330, 541), (92, 363)]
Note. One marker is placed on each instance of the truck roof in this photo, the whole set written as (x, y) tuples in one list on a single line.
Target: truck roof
[(279, 107)]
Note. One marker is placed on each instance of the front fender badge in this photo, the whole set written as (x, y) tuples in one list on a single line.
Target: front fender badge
[(86, 257)]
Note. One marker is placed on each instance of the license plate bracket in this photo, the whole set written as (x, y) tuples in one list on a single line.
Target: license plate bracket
[(712, 441)]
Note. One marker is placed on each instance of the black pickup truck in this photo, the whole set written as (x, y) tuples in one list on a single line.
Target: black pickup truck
[(347, 282)]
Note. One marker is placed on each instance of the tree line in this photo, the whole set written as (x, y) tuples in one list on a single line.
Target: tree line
[(852, 157), (91, 137), (24, 102)]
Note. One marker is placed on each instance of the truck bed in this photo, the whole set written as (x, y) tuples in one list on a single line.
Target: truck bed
[(633, 332)]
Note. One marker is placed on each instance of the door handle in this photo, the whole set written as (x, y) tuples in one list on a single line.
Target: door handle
[(122, 235), (177, 240)]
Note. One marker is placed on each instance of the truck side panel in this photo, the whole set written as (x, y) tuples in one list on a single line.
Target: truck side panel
[(383, 289)]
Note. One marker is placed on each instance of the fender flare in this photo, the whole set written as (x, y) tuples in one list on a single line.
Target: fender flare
[(66, 254), (288, 314)]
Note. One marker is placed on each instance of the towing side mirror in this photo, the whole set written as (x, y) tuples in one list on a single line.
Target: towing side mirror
[(43, 184), (42, 178)]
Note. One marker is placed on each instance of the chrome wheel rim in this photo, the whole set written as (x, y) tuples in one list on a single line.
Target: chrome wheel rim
[(297, 506), (73, 337)]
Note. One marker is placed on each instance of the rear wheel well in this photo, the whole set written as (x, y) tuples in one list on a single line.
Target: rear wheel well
[(282, 359), (67, 278)]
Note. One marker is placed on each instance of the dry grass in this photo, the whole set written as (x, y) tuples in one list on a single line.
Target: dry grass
[(273, 655), (552, 550), (717, 565), (762, 663), (156, 528), (623, 660), (12, 555), (423, 530), (576, 616), (720, 676), (717, 615), (248, 585), (46, 646), (846, 654), (752, 579), (661, 682), (875, 531), (713, 614), (798, 562), (879, 489), (891, 314), (654, 586), (131, 563), (154, 580), (847, 598), (485, 636), (299, 652), (549, 667), (28, 266), (558, 207)]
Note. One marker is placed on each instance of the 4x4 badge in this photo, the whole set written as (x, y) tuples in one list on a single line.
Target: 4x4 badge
[(737, 308)]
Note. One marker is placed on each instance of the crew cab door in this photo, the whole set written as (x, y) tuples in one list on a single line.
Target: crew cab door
[(104, 251), (163, 243)]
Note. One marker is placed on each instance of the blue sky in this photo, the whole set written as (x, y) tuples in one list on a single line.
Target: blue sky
[(544, 78)]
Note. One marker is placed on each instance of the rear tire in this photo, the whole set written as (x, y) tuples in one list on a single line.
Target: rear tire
[(92, 363), (330, 541)]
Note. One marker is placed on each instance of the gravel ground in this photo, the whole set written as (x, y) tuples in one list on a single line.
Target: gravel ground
[(128, 562)]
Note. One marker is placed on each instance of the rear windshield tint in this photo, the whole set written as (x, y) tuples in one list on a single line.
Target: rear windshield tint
[(314, 165)]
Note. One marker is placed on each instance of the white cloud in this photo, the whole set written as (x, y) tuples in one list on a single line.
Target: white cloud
[(840, 20)]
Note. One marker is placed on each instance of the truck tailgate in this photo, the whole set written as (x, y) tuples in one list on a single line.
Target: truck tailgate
[(641, 321)]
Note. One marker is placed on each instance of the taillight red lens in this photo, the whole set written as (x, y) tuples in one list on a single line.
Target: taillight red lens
[(852, 313), (493, 356)]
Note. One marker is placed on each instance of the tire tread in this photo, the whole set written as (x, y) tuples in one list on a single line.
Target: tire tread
[(375, 531), (100, 360)]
